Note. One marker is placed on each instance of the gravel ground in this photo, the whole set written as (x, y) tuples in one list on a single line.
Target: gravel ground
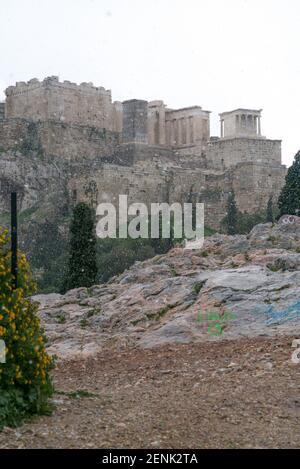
[(228, 394)]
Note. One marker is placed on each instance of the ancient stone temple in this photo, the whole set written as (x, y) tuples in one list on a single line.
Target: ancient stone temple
[(101, 148)]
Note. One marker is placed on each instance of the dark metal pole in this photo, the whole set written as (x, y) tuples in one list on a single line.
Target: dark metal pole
[(14, 240)]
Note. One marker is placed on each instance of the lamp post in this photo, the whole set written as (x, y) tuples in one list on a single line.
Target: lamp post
[(14, 241)]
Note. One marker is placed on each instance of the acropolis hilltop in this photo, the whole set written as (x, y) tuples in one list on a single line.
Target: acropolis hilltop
[(143, 149)]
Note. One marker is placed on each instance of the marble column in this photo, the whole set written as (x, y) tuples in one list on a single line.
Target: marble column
[(191, 127), (178, 140), (187, 130), (162, 126)]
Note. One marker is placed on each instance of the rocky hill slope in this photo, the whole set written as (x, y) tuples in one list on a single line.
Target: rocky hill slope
[(235, 286)]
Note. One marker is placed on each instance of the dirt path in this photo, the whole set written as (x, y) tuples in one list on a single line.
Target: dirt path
[(234, 394)]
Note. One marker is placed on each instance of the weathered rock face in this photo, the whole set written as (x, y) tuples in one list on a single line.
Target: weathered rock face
[(256, 278), (43, 201)]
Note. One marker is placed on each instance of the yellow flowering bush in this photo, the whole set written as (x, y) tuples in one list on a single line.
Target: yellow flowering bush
[(25, 383)]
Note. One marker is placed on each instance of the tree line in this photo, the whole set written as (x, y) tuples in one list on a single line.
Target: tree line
[(236, 222)]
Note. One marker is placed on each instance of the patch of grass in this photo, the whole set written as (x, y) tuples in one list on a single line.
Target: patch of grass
[(247, 257), (273, 267), (209, 231), (162, 312), (153, 316), (173, 271), (204, 254), (93, 312), (272, 239), (157, 316), (61, 318), (197, 287), (83, 323), (135, 322)]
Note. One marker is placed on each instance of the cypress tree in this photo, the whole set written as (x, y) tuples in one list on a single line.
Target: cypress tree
[(232, 215), (289, 199), (270, 214), (82, 265)]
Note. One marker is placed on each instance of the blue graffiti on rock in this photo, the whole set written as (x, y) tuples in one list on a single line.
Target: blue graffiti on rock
[(290, 313)]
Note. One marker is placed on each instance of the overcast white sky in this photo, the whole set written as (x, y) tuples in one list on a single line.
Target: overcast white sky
[(219, 54)]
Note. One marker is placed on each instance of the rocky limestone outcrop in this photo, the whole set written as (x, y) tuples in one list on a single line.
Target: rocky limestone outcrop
[(254, 278), (42, 198)]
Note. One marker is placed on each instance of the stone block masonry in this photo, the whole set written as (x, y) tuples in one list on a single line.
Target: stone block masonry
[(2, 111), (67, 102), (227, 152), (135, 120), (88, 105), (143, 149), (56, 140)]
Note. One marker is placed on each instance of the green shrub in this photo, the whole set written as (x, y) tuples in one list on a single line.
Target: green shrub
[(116, 255), (209, 231), (245, 221), (25, 383)]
